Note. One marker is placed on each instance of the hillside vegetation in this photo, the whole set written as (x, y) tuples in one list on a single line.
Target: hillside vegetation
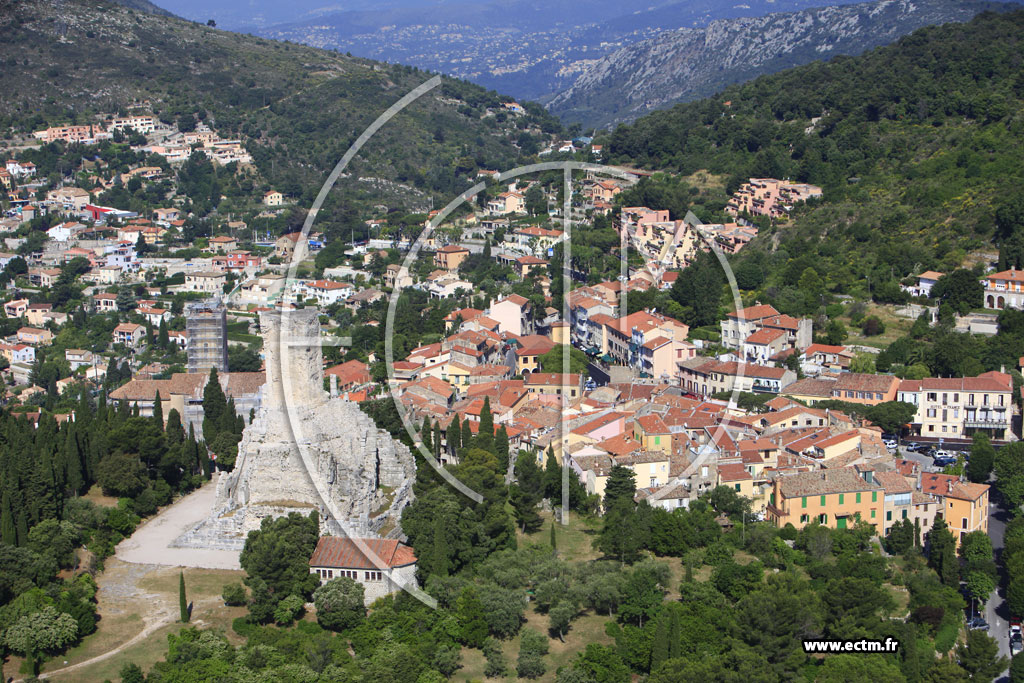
[(297, 109), (915, 145)]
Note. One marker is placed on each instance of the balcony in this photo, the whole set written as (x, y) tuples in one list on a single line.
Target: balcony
[(992, 423)]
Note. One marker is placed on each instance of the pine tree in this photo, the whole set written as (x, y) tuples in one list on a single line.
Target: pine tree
[(158, 411), (182, 600)]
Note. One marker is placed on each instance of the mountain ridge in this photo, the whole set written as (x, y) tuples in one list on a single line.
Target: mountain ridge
[(687, 63)]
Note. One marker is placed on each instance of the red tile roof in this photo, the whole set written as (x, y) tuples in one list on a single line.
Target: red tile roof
[(348, 553)]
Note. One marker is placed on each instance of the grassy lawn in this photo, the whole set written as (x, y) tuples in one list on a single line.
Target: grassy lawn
[(95, 495), (895, 327), (134, 597), (573, 539)]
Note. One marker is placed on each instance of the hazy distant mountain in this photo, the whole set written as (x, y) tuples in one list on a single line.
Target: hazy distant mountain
[(528, 48), (687, 64), (144, 6)]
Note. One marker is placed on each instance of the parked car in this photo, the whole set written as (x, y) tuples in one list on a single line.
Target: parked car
[(977, 624), (943, 453), (1016, 643), (944, 461)]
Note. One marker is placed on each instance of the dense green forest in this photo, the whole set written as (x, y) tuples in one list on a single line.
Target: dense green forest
[(914, 144)]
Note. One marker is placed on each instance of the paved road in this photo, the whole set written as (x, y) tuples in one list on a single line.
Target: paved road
[(997, 613)]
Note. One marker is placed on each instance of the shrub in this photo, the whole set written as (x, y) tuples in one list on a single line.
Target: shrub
[(234, 594)]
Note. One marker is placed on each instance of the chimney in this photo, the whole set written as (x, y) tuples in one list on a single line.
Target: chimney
[(949, 487), (334, 386)]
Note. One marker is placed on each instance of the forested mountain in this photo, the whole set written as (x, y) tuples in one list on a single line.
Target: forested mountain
[(688, 63), (297, 109), (914, 144)]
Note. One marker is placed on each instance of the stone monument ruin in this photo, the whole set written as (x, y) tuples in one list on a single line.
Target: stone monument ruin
[(306, 451)]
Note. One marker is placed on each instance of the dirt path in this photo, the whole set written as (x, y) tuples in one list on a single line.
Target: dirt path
[(121, 599)]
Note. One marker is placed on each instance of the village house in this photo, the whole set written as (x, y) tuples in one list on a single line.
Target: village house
[(382, 566), (925, 282), (739, 325), (18, 353), (514, 315), (208, 281), (105, 302), (286, 245), (510, 202), (963, 505), (273, 198), (835, 498), (450, 257), (706, 376), (959, 407), (222, 244), (36, 314), (34, 336), (16, 308), (130, 335), (1004, 290), (770, 197)]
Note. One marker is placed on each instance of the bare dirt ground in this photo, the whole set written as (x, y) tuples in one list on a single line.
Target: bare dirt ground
[(150, 544)]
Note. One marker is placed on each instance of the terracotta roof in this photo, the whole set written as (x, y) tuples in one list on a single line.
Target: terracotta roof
[(821, 388), (754, 312), (733, 472), (652, 424), (823, 482), (853, 381), (893, 482), (348, 553), (765, 335)]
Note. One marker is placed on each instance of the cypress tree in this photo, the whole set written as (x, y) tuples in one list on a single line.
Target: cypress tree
[(501, 448), (485, 436), (552, 477), (660, 644), (22, 528), (437, 439), (163, 340), (73, 478), (8, 534), (182, 601), (158, 411), (440, 547), (427, 435), (554, 542), (467, 434), (175, 432), (454, 436)]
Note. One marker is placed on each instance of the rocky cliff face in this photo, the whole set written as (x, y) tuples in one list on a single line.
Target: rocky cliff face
[(687, 64)]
